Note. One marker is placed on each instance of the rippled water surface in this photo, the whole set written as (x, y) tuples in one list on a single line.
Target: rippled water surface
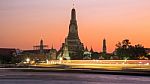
[(68, 78)]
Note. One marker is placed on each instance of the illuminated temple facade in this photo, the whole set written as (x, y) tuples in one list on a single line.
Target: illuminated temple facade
[(75, 47)]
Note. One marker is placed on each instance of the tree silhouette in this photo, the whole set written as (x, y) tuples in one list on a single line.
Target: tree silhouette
[(127, 51)]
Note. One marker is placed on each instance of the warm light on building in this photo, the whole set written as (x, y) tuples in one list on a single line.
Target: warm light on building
[(28, 60)]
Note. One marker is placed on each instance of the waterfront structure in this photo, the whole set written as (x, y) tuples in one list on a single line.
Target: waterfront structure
[(9, 51), (75, 47), (39, 53), (8, 55)]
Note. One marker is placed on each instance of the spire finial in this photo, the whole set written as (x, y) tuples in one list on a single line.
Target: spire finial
[(52, 47), (73, 3), (91, 49), (86, 49), (41, 37)]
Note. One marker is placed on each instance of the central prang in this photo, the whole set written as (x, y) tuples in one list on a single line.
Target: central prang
[(74, 45)]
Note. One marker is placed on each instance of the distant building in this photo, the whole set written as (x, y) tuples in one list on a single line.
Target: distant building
[(7, 55), (35, 55), (8, 51), (39, 53), (40, 47)]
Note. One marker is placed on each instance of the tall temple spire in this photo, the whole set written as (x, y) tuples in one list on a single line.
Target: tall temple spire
[(104, 46), (73, 15), (75, 47), (73, 27), (41, 46)]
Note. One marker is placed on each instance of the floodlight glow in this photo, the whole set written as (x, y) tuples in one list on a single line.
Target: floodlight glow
[(60, 58), (28, 60), (47, 61)]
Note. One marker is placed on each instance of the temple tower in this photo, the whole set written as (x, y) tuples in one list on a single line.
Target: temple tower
[(75, 47), (40, 47), (104, 46)]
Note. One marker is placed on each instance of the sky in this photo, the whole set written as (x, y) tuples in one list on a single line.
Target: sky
[(23, 23)]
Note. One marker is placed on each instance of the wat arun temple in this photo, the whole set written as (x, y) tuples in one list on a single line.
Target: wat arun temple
[(73, 48)]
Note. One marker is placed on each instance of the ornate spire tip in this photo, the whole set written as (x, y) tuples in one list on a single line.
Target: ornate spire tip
[(73, 3)]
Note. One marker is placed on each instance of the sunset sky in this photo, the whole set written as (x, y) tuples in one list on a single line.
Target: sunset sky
[(24, 22)]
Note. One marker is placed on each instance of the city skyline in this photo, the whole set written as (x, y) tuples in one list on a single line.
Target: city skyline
[(24, 23)]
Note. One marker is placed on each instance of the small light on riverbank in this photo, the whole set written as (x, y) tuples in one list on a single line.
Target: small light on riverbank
[(28, 60)]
